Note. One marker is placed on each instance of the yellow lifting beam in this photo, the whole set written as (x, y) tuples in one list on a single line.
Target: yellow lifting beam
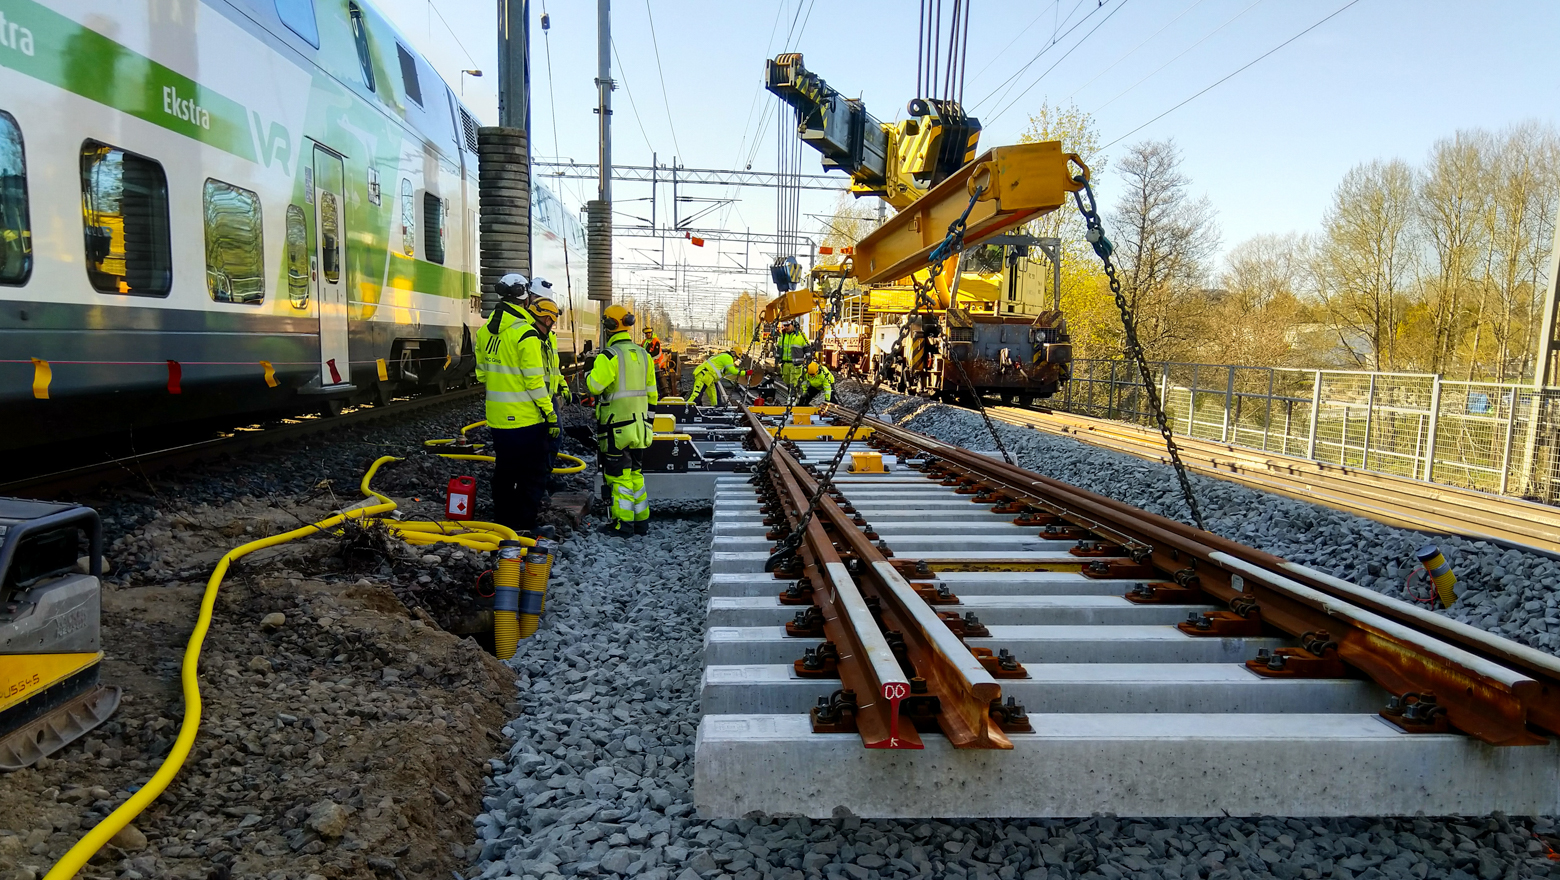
[(1018, 183)]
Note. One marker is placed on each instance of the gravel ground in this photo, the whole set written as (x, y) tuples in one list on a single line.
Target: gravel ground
[(597, 781), (1508, 592), (345, 726)]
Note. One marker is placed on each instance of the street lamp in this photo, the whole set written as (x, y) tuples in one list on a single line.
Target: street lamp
[(463, 75)]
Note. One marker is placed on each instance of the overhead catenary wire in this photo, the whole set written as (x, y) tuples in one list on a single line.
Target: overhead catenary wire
[(1233, 73), (661, 72), (1145, 42), (1081, 41), (1179, 55), (1005, 86)]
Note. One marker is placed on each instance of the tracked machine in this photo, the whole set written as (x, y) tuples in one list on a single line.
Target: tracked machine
[(980, 325)]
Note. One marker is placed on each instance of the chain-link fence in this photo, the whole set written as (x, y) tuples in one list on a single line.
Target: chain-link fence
[(1502, 438)]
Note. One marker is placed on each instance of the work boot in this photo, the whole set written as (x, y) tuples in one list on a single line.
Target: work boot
[(617, 529), (642, 527)]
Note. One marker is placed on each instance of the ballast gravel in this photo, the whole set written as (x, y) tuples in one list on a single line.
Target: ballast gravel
[(1509, 592), (597, 780)]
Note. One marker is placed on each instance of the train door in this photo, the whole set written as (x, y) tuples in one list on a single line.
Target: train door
[(330, 285)]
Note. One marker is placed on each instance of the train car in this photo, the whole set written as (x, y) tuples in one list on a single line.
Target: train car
[(212, 208)]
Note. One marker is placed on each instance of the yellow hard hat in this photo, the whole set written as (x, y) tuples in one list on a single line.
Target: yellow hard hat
[(812, 368), (617, 318), (545, 307)]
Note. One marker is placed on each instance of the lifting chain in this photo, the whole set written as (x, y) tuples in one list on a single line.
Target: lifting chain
[(1103, 247), (812, 355), (951, 244), (979, 404)]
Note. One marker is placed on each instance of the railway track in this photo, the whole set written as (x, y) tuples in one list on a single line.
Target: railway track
[(1396, 501), (960, 637), (124, 469)]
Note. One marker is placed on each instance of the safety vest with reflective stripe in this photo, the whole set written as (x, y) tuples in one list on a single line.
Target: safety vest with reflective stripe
[(722, 364), (824, 380), (788, 343), (503, 316), (515, 373), (554, 366), (623, 379)]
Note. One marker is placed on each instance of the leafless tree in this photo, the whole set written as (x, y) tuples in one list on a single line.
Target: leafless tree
[(1366, 259), (1165, 238)]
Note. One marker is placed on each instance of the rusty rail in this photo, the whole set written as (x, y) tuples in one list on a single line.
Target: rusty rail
[(1488, 687), (945, 682)]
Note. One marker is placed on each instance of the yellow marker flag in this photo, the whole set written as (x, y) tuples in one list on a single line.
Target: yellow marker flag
[(446, 362), (270, 373), (384, 372), (42, 376)]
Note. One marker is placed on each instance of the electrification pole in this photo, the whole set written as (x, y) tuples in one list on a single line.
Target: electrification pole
[(504, 157), (598, 212)]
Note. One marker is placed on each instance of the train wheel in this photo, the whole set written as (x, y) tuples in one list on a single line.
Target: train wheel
[(330, 408)]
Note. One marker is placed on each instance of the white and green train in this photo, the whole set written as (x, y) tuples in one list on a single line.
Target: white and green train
[(230, 183)]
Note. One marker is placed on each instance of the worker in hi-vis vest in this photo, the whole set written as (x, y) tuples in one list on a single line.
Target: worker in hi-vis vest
[(707, 376), (513, 367), (622, 377)]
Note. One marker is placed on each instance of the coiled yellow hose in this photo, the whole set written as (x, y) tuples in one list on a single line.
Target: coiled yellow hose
[(577, 467)]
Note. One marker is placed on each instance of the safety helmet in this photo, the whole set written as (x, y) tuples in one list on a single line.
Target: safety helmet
[(544, 306), (512, 286), (617, 318), (540, 284), (812, 368)]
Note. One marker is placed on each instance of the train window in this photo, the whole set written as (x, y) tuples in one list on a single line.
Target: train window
[(435, 227), (409, 74), (15, 226), (298, 15), (125, 207), (297, 258), (330, 237), (360, 37), (408, 219), (235, 251)]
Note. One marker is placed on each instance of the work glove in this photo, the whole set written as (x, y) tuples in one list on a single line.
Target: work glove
[(590, 361), (552, 428), (566, 394)]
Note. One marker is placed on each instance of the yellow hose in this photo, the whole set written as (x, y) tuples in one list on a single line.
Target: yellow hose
[(579, 463), (483, 536), (76, 858)]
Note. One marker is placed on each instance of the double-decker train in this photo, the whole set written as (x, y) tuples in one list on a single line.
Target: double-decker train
[(212, 208)]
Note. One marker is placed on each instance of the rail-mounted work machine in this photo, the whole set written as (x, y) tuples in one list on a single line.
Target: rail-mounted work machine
[(986, 310), (50, 644)]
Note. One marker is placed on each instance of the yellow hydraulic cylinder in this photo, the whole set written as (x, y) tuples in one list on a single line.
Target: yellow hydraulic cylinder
[(1440, 572), (506, 599)]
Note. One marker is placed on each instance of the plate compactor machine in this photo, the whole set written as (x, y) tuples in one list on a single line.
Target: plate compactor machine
[(50, 640)]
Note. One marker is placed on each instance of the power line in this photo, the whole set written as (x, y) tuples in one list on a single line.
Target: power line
[(662, 74), (993, 59), (1046, 48), (1129, 52), (1179, 56), (1081, 41), (1232, 74), (452, 33), (623, 78)]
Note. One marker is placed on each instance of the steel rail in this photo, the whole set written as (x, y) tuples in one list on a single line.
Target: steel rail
[(1490, 688), (951, 675), (125, 469), (866, 666), (1388, 498)]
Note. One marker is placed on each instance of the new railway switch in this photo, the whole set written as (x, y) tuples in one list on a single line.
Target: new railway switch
[(50, 640)]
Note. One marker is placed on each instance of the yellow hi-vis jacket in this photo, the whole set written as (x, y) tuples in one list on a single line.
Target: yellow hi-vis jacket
[(722, 364), (623, 378), (824, 381), (788, 344), (511, 364)]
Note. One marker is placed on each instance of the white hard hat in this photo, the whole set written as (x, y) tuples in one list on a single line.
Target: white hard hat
[(539, 283), (513, 284)]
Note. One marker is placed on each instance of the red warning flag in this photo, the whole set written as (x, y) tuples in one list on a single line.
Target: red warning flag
[(175, 373), (335, 374)]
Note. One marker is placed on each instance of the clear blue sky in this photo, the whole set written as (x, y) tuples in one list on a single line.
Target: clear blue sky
[(1384, 78)]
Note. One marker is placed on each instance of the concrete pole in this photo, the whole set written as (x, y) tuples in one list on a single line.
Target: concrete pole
[(598, 211)]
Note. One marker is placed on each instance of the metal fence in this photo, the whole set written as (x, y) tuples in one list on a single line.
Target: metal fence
[(1495, 437)]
